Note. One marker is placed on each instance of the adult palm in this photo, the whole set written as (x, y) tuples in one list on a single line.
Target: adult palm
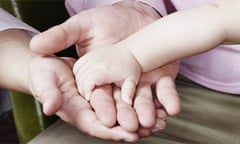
[(97, 28)]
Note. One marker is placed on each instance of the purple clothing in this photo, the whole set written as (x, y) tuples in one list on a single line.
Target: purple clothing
[(218, 69), (8, 21), (75, 6)]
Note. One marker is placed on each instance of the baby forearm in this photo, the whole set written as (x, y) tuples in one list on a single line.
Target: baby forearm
[(176, 36)]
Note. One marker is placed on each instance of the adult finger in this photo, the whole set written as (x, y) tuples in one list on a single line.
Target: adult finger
[(78, 112), (144, 106), (126, 115), (45, 84), (160, 124), (49, 95), (103, 104), (61, 36), (168, 95)]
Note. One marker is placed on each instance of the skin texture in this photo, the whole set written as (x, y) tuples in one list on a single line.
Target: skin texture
[(84, 38), (38, 73), (144, 51), (89, 32)]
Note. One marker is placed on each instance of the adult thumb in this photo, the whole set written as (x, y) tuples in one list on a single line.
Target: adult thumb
[(59, 37)]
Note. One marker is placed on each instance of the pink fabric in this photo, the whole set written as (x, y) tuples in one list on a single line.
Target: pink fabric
[(218, 69), (75, 6), (184, 4)]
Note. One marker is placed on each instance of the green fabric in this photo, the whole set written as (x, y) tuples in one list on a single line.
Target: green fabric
[(7, 5), (28, 116), (207, 117), (41, 14)]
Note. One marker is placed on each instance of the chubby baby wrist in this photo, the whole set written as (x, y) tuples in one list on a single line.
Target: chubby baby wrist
[(123, 46)]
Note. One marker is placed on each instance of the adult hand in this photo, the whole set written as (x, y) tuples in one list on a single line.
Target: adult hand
[(89, 30), (126, 115), (152, 115), (163, 81), (52, 82)]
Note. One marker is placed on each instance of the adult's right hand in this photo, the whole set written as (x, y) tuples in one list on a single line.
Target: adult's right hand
[(90, 30)]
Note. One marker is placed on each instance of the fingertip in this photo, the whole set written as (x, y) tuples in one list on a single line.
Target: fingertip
[(161, 114), (49, 42), (88, 96), (48, 109), (172, 105), (123, 135), (88, 89), (34, 43), (173, 108), (76, 67), (168, 96), (160, 125), (144, 132), (127, 117), (128, 91), (126, 99), (51, 106)]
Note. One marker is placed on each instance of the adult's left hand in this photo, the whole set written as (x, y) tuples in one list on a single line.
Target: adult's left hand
[(51, 81)]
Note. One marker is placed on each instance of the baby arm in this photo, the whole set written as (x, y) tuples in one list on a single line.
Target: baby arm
[(179, 35), (185, 33)]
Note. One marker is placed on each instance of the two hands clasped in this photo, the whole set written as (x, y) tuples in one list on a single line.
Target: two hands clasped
[(126, 111)]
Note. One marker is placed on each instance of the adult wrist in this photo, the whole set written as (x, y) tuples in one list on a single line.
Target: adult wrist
[(16, 54)]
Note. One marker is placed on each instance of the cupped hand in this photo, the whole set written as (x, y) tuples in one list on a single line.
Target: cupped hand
[(52, 83), (78, 112), (51, 79), (128, 118), (90, 30), (156, 97)]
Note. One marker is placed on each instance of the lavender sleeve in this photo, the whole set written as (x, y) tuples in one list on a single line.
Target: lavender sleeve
[(7, 21), (75, 6)]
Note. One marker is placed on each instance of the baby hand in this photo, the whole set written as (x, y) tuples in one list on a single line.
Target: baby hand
[(112, 65)]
